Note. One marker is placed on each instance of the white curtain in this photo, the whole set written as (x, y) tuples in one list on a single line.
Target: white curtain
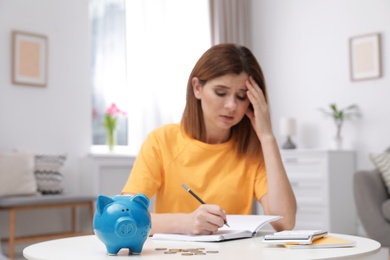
[(229, 21), (108, 64), (165, 38)]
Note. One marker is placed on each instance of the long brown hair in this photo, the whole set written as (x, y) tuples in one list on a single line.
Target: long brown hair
[(217, 61)]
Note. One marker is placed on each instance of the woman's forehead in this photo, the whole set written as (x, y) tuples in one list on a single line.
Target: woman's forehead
[(230, 81)]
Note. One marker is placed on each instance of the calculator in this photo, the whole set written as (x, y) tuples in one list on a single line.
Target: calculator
[(303, 237)]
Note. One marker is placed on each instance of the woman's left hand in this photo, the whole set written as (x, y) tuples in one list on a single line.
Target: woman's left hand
[(259, 117)]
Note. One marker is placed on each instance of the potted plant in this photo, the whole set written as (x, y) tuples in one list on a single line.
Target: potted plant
[(339, 116)]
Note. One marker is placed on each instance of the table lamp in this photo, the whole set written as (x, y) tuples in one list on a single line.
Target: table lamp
[(287, 127)]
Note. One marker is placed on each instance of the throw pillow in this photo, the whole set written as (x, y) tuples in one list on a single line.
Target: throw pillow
[(17, 174), (48, 173), (382, 163)]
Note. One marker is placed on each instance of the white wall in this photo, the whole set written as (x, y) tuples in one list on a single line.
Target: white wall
[(302, 46), (54, 119)]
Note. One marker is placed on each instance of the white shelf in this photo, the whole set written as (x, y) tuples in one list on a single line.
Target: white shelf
[(322, 181)]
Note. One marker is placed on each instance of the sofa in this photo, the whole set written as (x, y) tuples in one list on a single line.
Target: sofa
[(373, 205)]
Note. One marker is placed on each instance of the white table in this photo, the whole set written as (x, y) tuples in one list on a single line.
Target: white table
[(90, 247)]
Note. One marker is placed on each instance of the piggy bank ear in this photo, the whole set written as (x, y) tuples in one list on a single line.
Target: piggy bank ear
[(142, 199), (101, 203)]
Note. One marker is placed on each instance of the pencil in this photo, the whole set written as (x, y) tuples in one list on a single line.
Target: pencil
[(199, 199)]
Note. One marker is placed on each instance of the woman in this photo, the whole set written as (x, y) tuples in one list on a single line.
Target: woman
[(224, 150)]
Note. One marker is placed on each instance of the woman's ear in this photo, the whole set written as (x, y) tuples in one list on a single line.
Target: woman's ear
[(196, 87)]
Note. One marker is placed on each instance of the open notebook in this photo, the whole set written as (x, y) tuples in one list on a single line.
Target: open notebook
[(241, 226)]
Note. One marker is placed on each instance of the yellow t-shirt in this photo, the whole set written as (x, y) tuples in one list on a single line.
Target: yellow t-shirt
[(168, 158)]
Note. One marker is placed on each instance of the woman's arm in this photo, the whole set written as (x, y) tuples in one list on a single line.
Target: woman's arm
[(205, 220), (280, 199)]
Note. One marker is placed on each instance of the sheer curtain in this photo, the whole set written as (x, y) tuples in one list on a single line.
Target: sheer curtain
[(165, 38), (230, 21), (108, 63)]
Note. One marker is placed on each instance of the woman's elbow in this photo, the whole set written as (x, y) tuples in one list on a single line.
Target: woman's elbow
[(286, 223), (289, 223)]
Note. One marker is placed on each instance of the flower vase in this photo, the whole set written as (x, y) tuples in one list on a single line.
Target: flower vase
[(111, 140), (338, 143)]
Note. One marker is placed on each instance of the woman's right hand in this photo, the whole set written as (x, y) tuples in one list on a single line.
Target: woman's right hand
[(205, 220)]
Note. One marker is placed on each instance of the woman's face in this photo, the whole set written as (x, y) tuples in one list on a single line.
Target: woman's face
[(224, 102)]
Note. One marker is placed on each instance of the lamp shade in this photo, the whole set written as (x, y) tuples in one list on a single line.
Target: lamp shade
[(287, 126)]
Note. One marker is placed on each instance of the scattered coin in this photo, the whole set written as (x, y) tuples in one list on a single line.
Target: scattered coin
[(212, 252), (175, 250), (186, 251)]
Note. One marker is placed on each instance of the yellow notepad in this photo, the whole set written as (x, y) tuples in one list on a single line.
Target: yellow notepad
[(325, 242)]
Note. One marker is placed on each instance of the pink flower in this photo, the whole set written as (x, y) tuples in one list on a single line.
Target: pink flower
[(95, 114), (113, 110)]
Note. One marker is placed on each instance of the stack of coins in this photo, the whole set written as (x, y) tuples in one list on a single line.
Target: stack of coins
[(187, 251)]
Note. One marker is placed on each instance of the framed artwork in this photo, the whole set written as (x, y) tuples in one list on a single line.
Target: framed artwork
[(365, 56), (29, 59)]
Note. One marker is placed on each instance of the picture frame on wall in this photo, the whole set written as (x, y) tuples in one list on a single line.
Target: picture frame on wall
[(29, 59), (365, 56)]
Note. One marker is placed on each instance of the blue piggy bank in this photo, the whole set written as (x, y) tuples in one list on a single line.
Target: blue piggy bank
[(122, 222)]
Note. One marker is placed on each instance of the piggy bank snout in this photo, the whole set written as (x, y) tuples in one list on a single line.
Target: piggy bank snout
[(125, 227)]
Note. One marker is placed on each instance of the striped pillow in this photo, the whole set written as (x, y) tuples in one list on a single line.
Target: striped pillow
[(48, 173), (382, 163)]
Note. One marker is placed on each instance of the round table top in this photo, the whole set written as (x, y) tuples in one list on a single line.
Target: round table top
[(90, 247)]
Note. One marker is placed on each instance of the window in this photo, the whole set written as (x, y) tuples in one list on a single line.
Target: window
[(143, 53)]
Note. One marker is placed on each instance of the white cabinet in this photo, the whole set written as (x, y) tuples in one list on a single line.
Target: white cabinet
[(323, 186), (105, 174)]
